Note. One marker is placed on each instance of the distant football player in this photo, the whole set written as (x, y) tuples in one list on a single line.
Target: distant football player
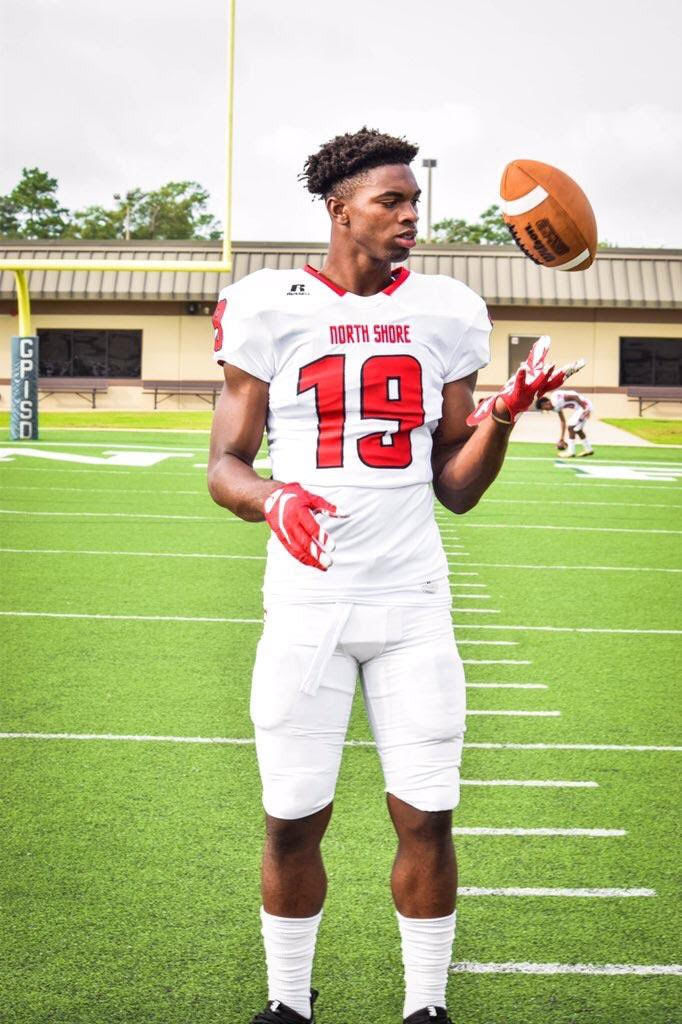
[(579, 410), (363, 374)]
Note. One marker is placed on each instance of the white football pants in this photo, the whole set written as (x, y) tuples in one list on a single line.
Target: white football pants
[(303, 684)]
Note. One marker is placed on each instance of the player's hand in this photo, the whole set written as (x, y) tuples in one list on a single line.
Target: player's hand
[(530, 381), (290, 512), (561, 446)]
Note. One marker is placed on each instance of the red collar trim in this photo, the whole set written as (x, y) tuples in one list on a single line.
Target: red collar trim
[(399, 275)]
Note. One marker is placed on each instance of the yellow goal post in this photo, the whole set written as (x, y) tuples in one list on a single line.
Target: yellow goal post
[(21, 267)]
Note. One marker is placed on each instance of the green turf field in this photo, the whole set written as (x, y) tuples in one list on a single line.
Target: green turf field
[(131, 608), (658, 431)]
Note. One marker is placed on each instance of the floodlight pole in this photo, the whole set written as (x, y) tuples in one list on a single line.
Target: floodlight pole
[(429, 164)]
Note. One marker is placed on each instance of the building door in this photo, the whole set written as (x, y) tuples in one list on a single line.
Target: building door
[(519, 347)]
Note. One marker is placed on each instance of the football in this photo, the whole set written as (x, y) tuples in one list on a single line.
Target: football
[(549, 216)]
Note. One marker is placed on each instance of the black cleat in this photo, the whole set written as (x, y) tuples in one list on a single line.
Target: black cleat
[(429, 1015), (277, 1013)]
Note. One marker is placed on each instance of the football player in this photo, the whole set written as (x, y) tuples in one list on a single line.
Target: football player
[(580, 409), (363, 374)]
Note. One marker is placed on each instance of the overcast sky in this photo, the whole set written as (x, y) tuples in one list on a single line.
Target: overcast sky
[(112, 95)]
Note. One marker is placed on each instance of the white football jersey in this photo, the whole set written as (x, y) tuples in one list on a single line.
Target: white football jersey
[(567, 400), (356, 385)]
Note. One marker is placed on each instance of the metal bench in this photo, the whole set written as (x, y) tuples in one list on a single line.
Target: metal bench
[(206, 390), (652, 396), (86, 388)]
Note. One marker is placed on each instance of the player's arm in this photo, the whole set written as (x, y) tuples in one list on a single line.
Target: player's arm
[(562, 420), (466, 460), (236, 435), (573, 396)]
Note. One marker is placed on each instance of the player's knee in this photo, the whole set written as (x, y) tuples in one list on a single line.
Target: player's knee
[(425, 827), (291, 837)]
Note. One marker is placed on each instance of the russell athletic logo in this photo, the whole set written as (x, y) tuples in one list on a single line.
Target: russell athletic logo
[(297, 289)]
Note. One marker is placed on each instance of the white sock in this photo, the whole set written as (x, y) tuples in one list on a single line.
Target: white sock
[(289, 951), (570, 450), (587, 446), (427, 954)]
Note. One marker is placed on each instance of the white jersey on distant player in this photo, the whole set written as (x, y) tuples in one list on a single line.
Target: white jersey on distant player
[(356, 387), (569, 400)]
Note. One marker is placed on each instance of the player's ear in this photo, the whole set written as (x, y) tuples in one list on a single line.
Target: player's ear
[(338, 210)]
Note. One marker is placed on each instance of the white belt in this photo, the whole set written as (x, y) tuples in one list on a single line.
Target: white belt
[(323, 655)]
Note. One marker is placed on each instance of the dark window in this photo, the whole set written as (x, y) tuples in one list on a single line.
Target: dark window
[(90, 353), (651, 362), (519, 347)]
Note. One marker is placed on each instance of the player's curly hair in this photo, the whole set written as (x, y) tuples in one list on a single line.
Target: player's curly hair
[(347, 156)]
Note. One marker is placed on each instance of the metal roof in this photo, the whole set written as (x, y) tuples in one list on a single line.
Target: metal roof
[(637, 278)]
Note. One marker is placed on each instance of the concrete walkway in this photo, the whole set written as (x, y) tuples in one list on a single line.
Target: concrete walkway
[(544, 427)]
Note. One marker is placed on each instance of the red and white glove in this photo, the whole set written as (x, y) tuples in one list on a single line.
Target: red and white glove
[(291, 514), (530, 381)]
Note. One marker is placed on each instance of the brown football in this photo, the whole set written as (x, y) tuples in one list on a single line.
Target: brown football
[(549, 216)]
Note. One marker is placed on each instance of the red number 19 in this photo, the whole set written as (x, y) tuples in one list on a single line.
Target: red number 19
[(391, 389)]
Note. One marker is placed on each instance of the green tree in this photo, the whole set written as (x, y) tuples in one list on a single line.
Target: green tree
[(177, 210), (32, 210), (489, 229)]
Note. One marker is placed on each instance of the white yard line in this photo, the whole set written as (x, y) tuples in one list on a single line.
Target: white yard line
[(625, 747), (124, 445), (579, 833), (518, 714), (532, 783), (248, 741), (483, 585), (639, 970), (581, 504), (473, 597), (507, 686), (574, 629), (110, 471), (101, 490), (490, 643), (585, 482), (579, 568), (134, 554), (582, 529), (470, 890), (124, 515), (478, 611), (125, 618), (493, 661), (454, 573)]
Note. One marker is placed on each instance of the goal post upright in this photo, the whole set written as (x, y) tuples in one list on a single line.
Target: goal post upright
[(22, 267)]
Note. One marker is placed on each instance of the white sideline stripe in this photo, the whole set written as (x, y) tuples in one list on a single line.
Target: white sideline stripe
[(473, 597), (507, 686), (135, 618), (518, 714), (641, 970), (124, 515), (484, 585), (598, 568), (585, 482), (490, 643), (493, 661), (653, 463), (532, 783), (136, 554), (586, 833), (537, 501), (580, 529), (573, 629), (110, 471), (478, 611), (525, 203), (246, 741), (467, 890), (629, 748)]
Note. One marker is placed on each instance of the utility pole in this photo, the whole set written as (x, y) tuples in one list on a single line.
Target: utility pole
[(117, 195), (430, 164)]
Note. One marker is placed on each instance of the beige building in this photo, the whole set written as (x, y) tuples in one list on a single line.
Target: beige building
[(624, 315)]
